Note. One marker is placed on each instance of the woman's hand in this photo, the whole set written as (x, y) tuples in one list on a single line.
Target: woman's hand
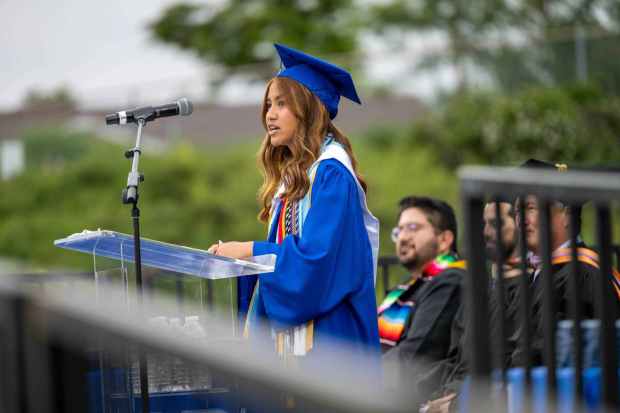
[(232, 249), (441, 405)]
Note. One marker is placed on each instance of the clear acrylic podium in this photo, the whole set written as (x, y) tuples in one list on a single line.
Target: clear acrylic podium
[(169, 257), (116, 383)]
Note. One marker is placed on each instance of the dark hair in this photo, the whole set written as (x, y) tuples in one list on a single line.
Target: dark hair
[(575, 209), (439, 213), (504, 200), (289, 164)]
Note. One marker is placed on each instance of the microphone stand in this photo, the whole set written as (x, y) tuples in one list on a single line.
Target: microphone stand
[(130, 196)]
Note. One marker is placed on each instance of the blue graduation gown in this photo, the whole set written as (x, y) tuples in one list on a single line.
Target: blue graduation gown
[(326, 275)]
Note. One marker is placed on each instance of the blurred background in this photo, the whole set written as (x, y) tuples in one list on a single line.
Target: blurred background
[(443, 82)]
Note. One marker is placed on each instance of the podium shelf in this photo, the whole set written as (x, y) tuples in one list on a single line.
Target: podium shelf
[(170, 257)]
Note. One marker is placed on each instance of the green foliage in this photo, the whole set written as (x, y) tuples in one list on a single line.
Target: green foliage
[(398, 171), (53, 147), (573, 125), (195, 197), (189, 197), (241, 32)]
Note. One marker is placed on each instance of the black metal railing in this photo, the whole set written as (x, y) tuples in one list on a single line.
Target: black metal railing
[(385, 264), (48, 340), (479, 185)]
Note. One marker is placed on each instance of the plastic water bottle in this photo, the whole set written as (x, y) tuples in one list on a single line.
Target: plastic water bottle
[(193, 329), (134, 373), (590, 340), (180, 374), (199, 376), (591, 374), (159, 363)]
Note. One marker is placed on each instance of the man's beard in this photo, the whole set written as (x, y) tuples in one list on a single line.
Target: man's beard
[(421, 258), (410, 264), (492, 251)]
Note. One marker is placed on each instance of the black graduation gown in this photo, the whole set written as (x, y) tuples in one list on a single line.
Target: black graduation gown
[(454, 368), (446, 376), (587, 278), (427, 339)]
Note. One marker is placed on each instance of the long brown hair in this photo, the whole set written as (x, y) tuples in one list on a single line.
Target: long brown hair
[(289, 164)]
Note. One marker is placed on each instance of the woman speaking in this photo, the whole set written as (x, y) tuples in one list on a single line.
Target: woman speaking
[(314, 202)]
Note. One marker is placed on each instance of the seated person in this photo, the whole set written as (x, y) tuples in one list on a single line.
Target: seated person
[(453, 369), (416, 316), (588, 273)]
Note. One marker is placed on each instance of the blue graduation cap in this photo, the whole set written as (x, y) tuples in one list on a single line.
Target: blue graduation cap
[(327, 81)]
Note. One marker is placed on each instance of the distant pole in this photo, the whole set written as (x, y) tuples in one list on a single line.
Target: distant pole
[(581, 58)]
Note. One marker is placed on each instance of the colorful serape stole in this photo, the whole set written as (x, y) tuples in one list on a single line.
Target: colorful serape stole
[(586, 256), (442, 263), (395, 313), (398, 307)]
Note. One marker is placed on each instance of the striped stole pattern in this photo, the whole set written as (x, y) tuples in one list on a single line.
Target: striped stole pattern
[(586, 256), (398, 307), (299, 340), (395, 313)]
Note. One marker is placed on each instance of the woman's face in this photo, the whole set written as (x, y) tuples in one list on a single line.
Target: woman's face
[(279, 118)]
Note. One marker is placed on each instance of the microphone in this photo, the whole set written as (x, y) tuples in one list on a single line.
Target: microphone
[(181, 107)]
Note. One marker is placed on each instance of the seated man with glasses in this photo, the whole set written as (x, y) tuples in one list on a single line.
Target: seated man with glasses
[(415, 317)]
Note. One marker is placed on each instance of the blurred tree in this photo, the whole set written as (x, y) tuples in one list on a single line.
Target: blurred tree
[(514, 43), (575, 40), (237, 37), (518, 43), (58, 98), (576, 125), (464, 23)]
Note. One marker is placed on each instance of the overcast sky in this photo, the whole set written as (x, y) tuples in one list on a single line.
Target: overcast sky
[(102, 51)]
